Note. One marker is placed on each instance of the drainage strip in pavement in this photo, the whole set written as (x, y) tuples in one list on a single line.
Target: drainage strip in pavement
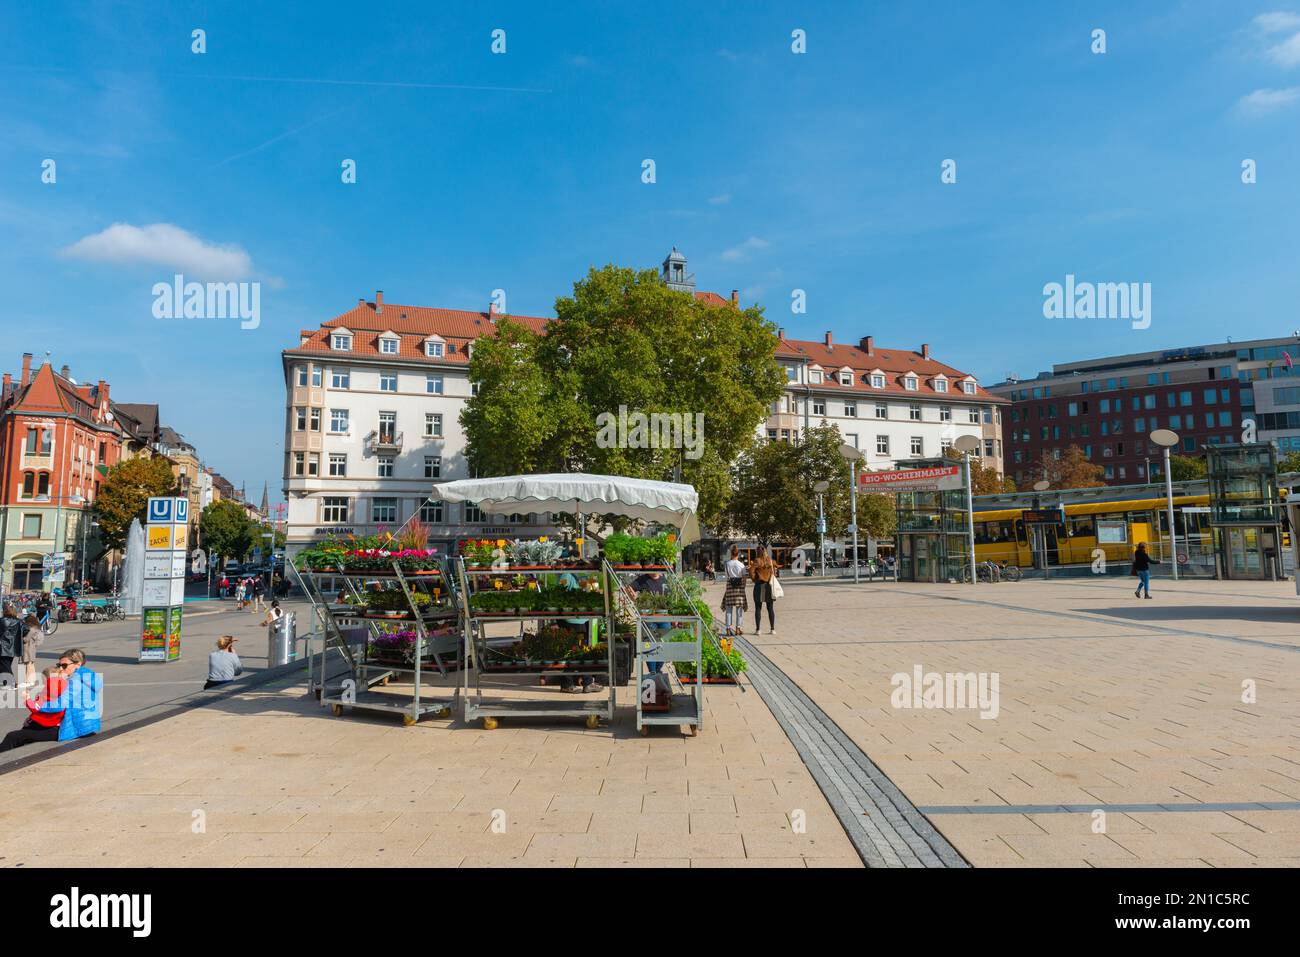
[(884, 826)]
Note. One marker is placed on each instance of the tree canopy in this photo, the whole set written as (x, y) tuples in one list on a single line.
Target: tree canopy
[(1185, 468), (124, 495), (985, 479), (1071, 470), (227, 531), (624, 344)]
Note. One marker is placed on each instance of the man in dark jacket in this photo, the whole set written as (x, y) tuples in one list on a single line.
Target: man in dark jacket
[(1142, 563), (12, 632)]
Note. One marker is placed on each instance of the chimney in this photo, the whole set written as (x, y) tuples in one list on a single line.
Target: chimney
[(101, 391), (379, 302), (735, 297), (361, 300), (8, 381), (867, 345), (492, 311), (829, 343), (27, 370), (780, 333), (925, 350), (65, 372)]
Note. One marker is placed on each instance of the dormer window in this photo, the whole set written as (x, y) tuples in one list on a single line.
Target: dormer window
[(433, 349), (815, 376), (388, 345), (846, 377), (877, 380), (910, 383), (940, 385), (341, 342), (968, 387), (791, 374)]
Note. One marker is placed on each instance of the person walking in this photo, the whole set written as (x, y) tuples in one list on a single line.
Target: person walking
[(1142, 563), (762, 572), (225, 587), (12, 633), (734, 602), (256, 586), (30, 641), (239, 595), (223, 664)]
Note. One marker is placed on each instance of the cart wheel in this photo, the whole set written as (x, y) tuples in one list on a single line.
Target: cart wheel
[(593, 721), (408, 720), (337, 709), (489, 724), (444, 712), (690, 729)]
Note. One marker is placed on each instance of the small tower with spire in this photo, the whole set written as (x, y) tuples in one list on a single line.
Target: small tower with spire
[(266, 502), (675, 275)]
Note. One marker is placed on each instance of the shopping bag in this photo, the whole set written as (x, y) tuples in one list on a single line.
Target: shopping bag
[(777, 590)]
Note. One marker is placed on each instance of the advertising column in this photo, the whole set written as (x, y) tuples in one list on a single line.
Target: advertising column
[(164, 579)]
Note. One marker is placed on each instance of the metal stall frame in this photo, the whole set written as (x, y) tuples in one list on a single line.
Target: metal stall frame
[(475, 644), (365, 674)]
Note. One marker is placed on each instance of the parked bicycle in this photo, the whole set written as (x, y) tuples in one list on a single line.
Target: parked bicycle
[(991, 572)]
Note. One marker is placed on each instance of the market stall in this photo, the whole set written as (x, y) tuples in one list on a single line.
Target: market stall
[(508, 589)]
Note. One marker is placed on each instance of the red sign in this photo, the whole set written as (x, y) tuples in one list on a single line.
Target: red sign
[(943, 478)]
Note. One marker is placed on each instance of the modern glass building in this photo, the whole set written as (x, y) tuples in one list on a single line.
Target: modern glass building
[(932, 541), (1246, 510)]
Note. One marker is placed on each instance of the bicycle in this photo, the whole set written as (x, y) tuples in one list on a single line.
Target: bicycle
[(986, 571)]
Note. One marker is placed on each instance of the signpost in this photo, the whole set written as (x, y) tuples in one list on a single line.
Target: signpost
[(163, 590)]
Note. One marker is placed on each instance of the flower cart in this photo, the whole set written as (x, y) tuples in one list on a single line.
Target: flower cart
[(491, 595), (400, 600)]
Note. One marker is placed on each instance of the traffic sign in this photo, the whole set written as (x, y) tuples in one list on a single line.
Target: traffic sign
[(161, 510)]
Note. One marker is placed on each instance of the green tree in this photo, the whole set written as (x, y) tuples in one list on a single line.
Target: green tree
[(1071, 470), (623, 342), (985, 480), (1185, 468), (227, 531), (1289, 463), (124, 495)]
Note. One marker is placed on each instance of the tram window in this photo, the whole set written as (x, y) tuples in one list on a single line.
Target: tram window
[(1077, 526), (1020, 531)]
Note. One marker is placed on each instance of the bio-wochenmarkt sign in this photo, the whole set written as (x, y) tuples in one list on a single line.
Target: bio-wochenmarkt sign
[(913, 480)]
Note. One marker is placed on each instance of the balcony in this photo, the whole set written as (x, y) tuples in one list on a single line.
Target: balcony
[(383, 442)]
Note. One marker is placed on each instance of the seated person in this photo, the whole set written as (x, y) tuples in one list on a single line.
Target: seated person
[(223, 664), (40, 725)]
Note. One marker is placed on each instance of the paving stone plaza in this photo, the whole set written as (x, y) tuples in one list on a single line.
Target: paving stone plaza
[(1099, 731)]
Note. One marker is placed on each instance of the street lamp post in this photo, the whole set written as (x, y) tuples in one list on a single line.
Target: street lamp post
[(820, 488), (1168, 439), (853, 455), (966, 444)]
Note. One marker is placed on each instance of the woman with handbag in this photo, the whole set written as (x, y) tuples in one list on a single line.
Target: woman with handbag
[(734, 602), (763, 572)]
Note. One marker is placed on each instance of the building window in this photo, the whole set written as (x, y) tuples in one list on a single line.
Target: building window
[(850, 410), (300, 419), (299, 463), (338, 420), (1189, 444), (340, 342), (433, 424), (918, 445), (791, 374), (914, 412), (338, 465), (882, 444), (877, 381), (313, 465), (945, 413), (388, 346), (43, 483), (910, 383), (819, 407), (968, 388), (846, 378), (31, 526), (815, 376), (383, 510), (385, 466), (433, 384), (334, 509), (388, 382), (852, 438), (431, 513), (433, 466), (988, 448), (771, 435), (940, 385), (340, 379), (473, 514), (433, 350), (302, 375)]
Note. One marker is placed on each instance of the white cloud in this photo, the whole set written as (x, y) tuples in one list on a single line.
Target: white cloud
[(1286, 52), (162, 244), (741, 253), (1263, 102), (720, 200), (1278, 21)]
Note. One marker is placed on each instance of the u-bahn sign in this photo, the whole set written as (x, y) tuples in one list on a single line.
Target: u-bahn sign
[(943, 478)]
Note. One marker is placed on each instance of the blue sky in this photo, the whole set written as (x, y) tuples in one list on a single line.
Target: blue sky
[(775, 171)]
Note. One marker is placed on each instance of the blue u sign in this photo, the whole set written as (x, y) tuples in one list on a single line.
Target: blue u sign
[(182, 511), (160, 510)]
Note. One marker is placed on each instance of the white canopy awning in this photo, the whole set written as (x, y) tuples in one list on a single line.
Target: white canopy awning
[(666, 502)]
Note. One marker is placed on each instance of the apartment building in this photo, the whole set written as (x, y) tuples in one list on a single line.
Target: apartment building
[(891, 404), (58, 438), (1208, 395)]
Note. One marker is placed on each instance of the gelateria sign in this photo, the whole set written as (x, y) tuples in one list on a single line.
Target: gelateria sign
[(941, 479)]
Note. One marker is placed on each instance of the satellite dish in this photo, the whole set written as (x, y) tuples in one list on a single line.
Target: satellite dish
[(1042, 485), (966, 443), (1166, 437)]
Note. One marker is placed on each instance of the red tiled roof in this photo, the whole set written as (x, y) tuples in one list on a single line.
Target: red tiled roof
[(895, 363)]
